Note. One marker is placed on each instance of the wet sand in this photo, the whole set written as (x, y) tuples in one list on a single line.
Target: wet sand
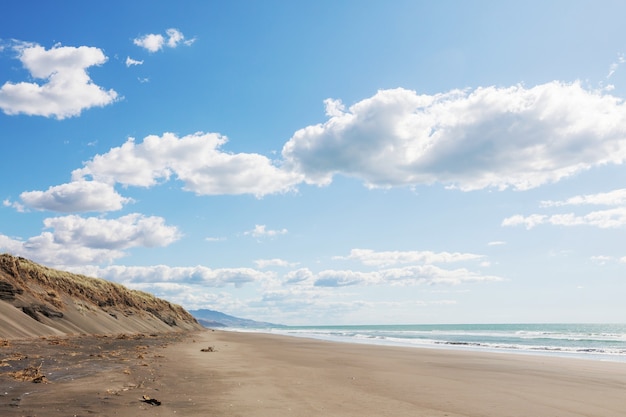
[(244, 374)]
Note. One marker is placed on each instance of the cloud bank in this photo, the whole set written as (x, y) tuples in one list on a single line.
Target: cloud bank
[(297, 288)]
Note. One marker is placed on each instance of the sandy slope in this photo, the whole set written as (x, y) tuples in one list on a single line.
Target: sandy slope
[(39, 301)]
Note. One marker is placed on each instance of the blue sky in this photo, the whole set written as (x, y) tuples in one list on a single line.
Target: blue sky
[(327, 162)]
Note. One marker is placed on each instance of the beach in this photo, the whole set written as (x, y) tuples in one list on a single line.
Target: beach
[(221, 373)]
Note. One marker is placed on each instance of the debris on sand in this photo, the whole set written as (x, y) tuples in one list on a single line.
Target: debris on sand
[(208, 349), (32, 374), (151, 401)]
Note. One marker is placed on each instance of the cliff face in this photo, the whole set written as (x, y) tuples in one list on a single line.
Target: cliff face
[(40, 301)]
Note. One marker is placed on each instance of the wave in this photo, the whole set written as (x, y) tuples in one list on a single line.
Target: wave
[(596, 341)]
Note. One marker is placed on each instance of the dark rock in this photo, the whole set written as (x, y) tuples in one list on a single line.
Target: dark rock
[(8, 291), (33, 310)]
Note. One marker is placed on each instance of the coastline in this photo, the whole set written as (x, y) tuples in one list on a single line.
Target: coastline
[(592, 341), (224, 373)]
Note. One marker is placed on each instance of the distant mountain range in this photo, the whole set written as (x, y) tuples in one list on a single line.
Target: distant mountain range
[(212, 318)]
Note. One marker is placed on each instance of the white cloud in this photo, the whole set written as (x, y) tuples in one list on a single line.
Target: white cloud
[(260, 230), (387, 258), (46, 250), (604, 219), (155, 42), (601, 259), (268, 263), (174, 37), (611, 198), (290, 295), (195, 160), (490, 137), (76, 240), (151, 42), (496, 243), (67, 89), (615, 65), (200, 275), (299, 276), (131, 62), (78, 196), (14, 204), (410, 275), (529, 221)]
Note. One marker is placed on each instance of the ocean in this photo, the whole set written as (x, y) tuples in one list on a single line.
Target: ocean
[(590, 341)]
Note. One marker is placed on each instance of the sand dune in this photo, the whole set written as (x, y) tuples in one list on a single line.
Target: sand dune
[(39, 301)]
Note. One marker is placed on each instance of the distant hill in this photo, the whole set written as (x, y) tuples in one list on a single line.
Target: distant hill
[(211, 318), (39, 301)]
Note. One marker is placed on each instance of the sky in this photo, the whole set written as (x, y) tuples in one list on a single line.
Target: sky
[(323, 162)]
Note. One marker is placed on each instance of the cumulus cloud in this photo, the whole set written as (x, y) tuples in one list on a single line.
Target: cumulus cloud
[(601, 259), (45, 249), (185, 275), (19, 207), (488, 137), (195, 159), (66, 89), (154, 42), (387, 258), (603, 219), (611, 198), (151, 42), (76, 240), (410, 275), (78, 196), (528, 221), (513, 137), (130, 62), (268, 263), (261, 230)]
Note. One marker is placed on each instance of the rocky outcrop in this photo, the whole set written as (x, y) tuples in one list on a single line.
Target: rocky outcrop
[(8, 291)]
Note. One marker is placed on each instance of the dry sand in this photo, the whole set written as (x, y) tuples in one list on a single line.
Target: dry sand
[(245, 374)]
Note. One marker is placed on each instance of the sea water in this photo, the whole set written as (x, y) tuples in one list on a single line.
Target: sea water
[(591, 341)]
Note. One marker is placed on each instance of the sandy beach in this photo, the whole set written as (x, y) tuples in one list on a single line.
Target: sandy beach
[(217, 373)]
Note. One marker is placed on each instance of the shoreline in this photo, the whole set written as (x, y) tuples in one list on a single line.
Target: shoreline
[(597, 342), (225, 373)]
